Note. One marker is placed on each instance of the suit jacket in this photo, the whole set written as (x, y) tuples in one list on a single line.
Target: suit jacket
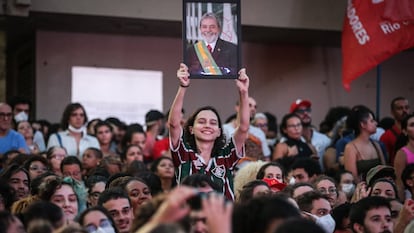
[(224, 54)]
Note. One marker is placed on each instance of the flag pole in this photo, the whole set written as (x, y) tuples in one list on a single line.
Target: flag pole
[(378, 99)]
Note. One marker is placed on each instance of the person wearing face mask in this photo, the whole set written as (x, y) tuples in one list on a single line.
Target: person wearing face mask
[(346, 183), (316, 207), (97, 220), (21, 112), (74, 139)]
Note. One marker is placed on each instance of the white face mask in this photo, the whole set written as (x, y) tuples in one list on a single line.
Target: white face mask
[(106, 229), (348, 188), (292, 180), (21, 116), (326, 222), (75, 130)]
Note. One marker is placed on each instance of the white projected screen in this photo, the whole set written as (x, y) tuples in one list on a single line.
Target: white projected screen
[(125, 94)]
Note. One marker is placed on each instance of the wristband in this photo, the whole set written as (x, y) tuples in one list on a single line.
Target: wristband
[(181, 85)]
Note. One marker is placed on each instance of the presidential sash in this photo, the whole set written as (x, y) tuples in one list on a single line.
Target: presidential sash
[(206, 60)]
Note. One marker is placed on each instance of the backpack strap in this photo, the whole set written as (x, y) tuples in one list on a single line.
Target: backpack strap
[(59, 139)]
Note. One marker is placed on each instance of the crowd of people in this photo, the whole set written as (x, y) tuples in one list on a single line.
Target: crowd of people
[(203, 175)]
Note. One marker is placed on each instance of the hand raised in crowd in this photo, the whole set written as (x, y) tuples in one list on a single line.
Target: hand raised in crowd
[(243, 81), (183, 75), (405, 216), (218, 213), (173, 208), (361, 191)]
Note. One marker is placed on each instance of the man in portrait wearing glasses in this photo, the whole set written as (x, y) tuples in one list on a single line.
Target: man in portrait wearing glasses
[(9, 139), (320, 141), (212, 55)]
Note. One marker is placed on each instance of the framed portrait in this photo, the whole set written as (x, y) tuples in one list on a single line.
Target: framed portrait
[(212, 38)]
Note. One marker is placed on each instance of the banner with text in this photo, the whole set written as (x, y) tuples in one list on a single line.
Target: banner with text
[(369, 38)]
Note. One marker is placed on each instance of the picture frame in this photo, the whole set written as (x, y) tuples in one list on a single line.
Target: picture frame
[(212, 38)]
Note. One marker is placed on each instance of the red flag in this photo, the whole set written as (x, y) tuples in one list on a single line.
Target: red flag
[(399, 10), (368, 38)]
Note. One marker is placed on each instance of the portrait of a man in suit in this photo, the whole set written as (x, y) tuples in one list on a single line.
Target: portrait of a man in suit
[(212, 55)]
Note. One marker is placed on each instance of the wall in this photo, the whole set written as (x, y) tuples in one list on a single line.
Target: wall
[(279, 73), (304, 14)]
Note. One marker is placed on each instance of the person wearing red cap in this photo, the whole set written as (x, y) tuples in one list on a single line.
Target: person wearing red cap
[(320, 141)]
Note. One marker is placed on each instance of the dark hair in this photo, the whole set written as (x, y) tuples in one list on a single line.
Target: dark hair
[(97, 152), (123, 155), (35, 183), (123, 181), (310, 166), (271, 122), (299, 225), (19, 159), (394, 187), (153, 182), (12, 169), (332, 117), (52, 149), (260, 212), (34, 158), (324, 177), (290, 189), (359, 209), (103, 123), (94, 179), (114, 177), (130, 131), (81, 218), (386, 123), (305, 201), (338, 175), (112, 194), (15, 100), (70, 108), (402, 139), (49, 186), (107, 160), (156, 162), (395, 100), (7, 193), (283, 124), (44, 210), (70, 160), (261, 173), (404, 123), (359, 114), (115, 121), (6, 155), (406, 175), (199, 181), (246, 193), (340, 213), (136, 167), (190, 139)]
